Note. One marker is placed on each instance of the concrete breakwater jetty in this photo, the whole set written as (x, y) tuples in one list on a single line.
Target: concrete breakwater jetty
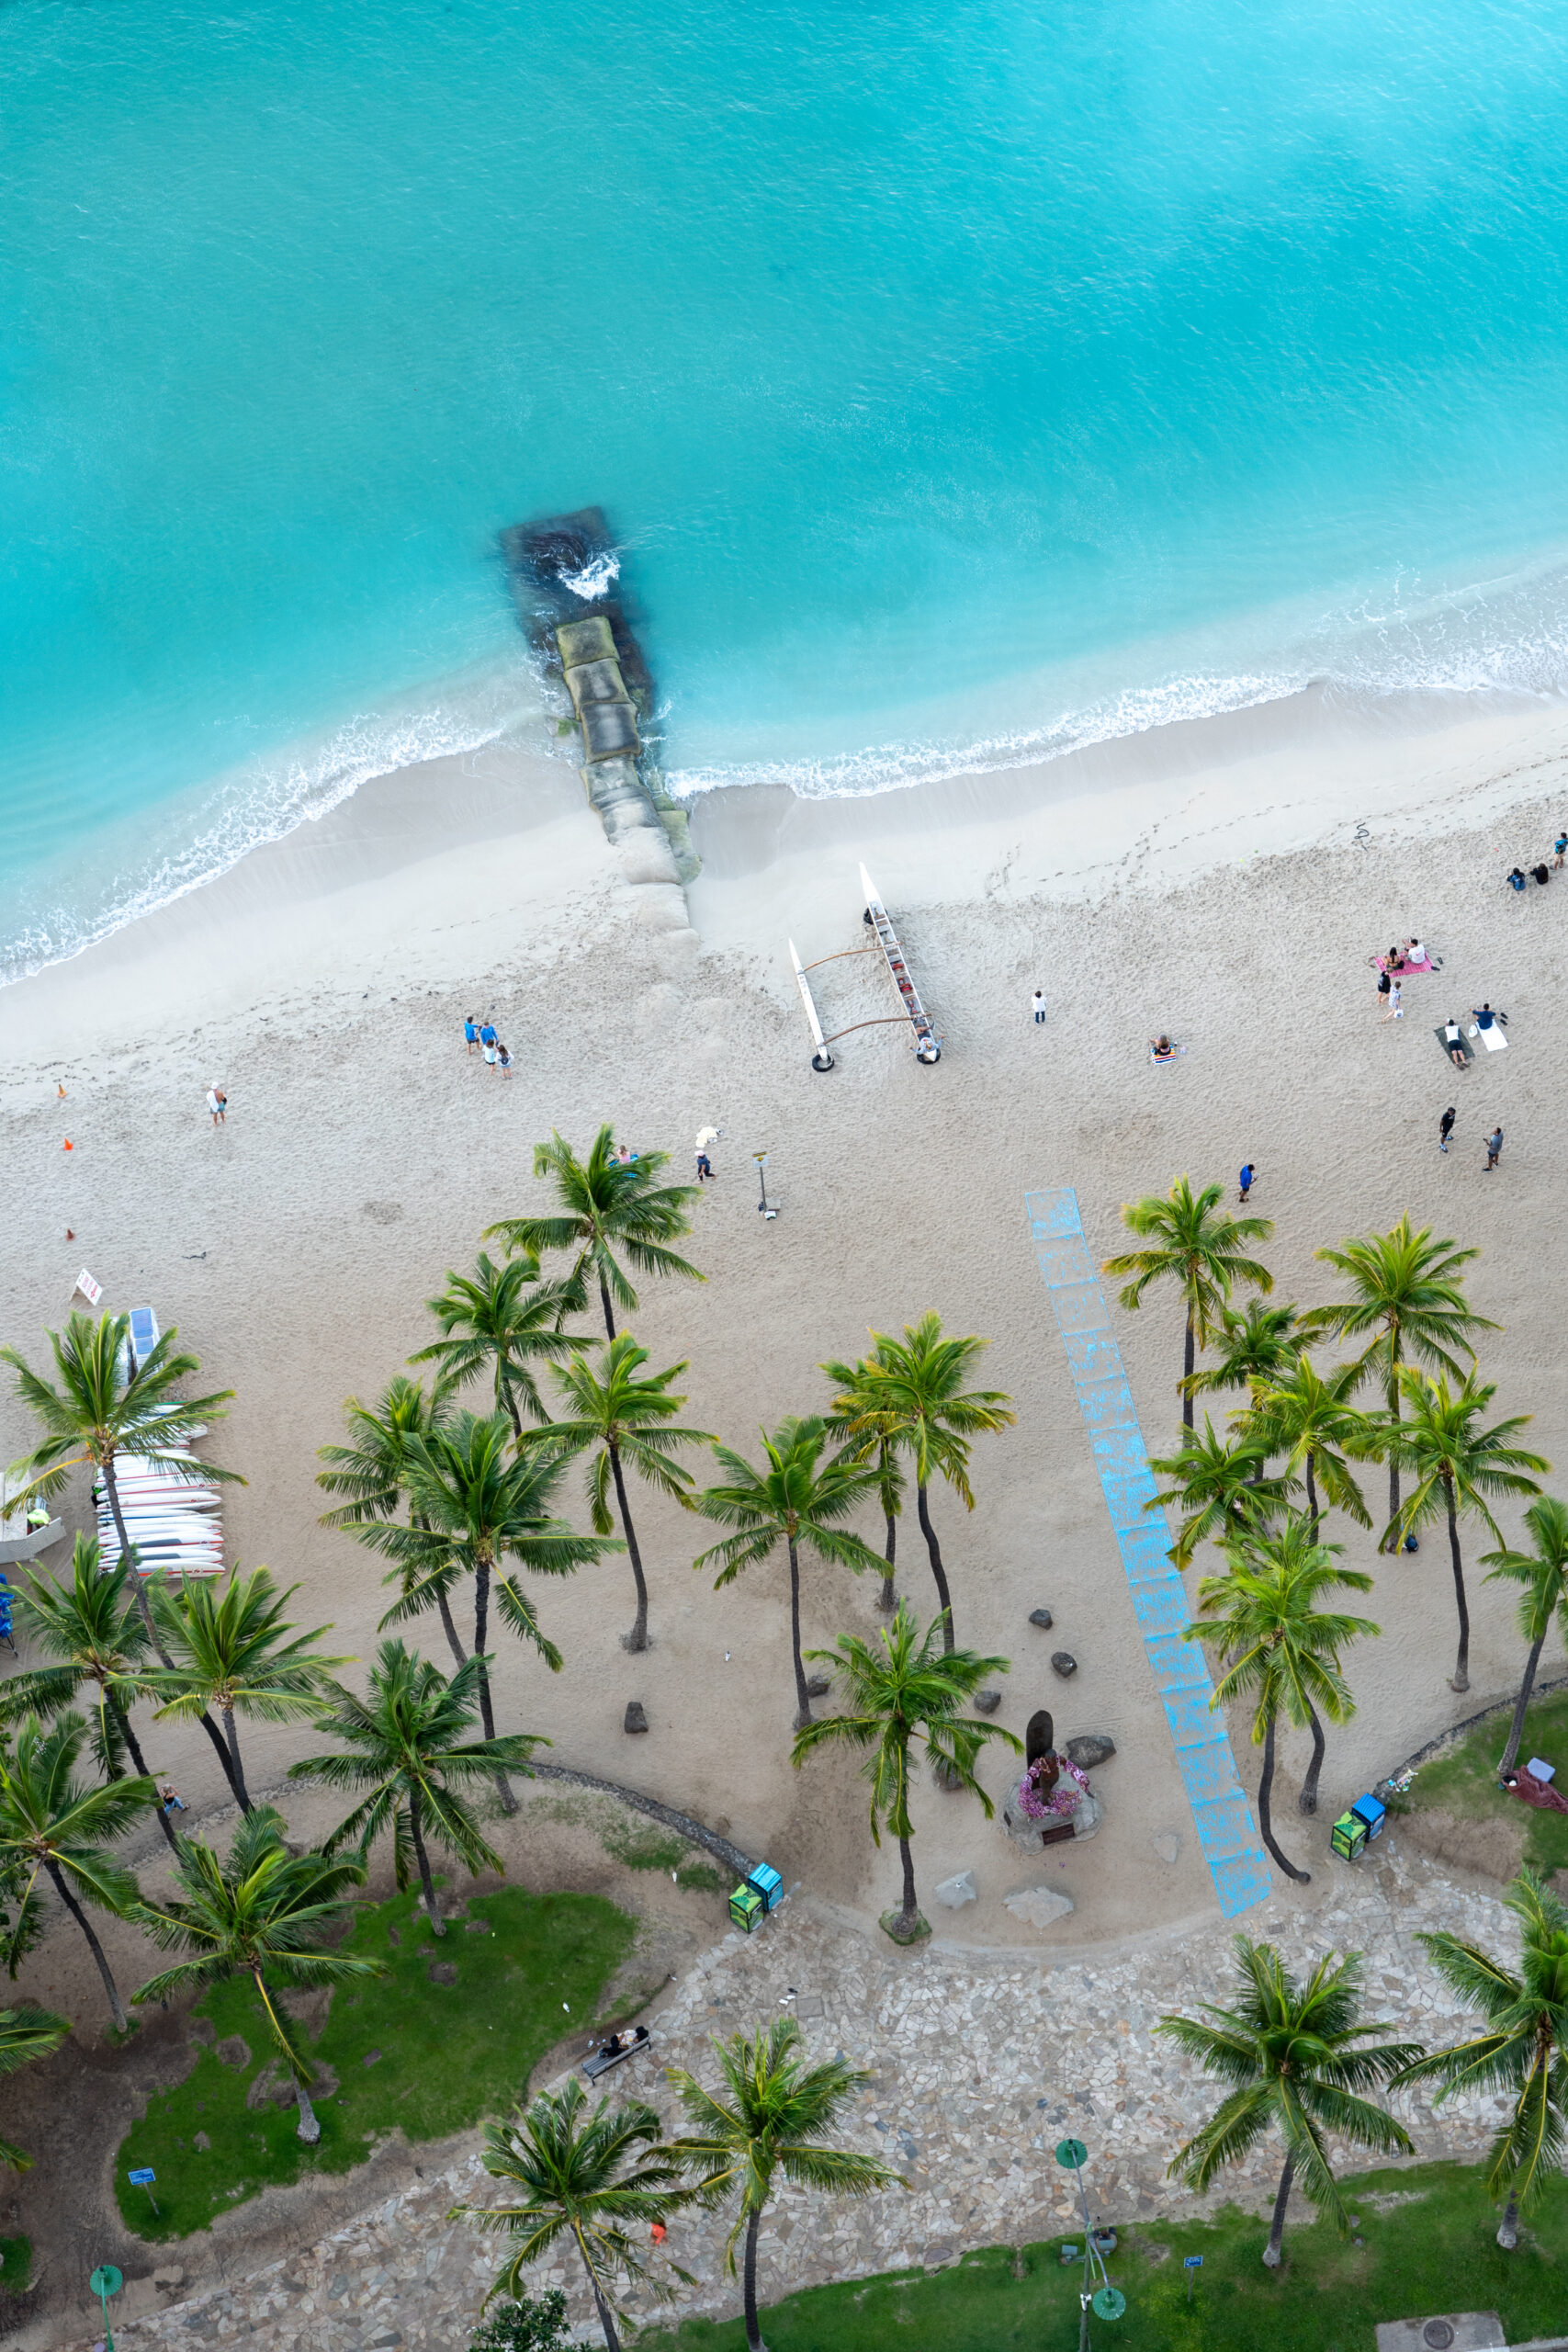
[(565, 573)]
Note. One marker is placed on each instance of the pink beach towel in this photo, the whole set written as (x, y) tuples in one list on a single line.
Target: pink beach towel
[(1409, 967)]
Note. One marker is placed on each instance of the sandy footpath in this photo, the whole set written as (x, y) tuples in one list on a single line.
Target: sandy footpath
[(1210, 882)]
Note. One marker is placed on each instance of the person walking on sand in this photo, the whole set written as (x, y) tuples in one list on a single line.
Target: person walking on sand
[(1494, 1150), (1248, 1176), (1445, 1128), (470, 1031), (491, 1047), (1395, 1010), (1560, 850), (503, 1062), (218, 1104), (1385, 986), (1037, 1006)]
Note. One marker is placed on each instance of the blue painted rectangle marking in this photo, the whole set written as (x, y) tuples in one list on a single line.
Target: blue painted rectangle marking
[(1220, 1815)]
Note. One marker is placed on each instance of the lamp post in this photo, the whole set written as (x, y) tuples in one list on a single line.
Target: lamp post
[(761, 1159), (105, 2281), (1106, 2299)]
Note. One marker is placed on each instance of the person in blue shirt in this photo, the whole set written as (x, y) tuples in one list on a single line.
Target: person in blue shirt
[(1484, 1016), (1247, 1174), (470, 1031), (1518, 878), (1560, 848), (487, 1035)]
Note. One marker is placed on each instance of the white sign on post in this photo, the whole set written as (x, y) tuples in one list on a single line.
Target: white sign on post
[(91, 1291)]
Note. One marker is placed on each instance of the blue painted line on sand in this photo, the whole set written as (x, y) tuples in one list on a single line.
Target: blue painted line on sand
[(1221, 1813)]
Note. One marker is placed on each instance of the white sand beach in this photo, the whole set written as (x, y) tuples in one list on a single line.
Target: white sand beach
[(1210, 881)]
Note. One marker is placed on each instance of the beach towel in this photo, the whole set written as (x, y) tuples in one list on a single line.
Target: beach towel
[(1411, 964), (1461, 1041), (1492, 1038)]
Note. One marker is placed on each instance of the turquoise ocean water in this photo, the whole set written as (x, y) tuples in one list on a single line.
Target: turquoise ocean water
[(961, 382)]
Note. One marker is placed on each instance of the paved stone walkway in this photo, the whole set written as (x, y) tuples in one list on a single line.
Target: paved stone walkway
[(981, 2063)]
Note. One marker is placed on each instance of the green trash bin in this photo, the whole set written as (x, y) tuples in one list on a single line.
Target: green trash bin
[(1350, 1836), (746, 1906)]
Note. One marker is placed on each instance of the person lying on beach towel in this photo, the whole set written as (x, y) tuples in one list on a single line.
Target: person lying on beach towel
[(1162, 1050), (1450, 1037)]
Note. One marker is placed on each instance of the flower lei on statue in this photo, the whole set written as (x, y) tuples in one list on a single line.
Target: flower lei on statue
[(1064, 1798)]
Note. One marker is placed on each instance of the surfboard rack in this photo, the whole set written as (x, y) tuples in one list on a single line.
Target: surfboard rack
[(927, 1045)]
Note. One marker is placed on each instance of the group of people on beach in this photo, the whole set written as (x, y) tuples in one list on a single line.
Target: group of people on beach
[(1541, 873), (482, 1034)]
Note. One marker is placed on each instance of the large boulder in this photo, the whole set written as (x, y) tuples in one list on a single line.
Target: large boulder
[(1091, 1749)]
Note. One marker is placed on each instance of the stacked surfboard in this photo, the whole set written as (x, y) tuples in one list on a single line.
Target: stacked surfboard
[(174, 1521)]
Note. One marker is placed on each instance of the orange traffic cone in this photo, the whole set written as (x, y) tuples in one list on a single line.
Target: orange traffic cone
[(69, 1145)]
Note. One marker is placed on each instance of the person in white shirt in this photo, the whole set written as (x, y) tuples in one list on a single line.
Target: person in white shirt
[(218, 1104), (1037, 1006)]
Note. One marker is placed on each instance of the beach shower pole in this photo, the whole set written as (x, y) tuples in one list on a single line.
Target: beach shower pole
[(1107, 2300), (761, 1159)]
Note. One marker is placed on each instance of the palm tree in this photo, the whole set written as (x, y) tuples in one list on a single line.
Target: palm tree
[(49, 1823), (1260, 1345), (623, 1422), (96, 1635), (1311, 1421), (1456, 1466), (1544, 1576), (1279, 1649), (1200, 1248), (503, 1319), (25, 2034), (1295, 2056), (262, 1914), (1219, 1485), (408, 1749), (1524, 2049), (606, 1206), (100, 1410), (912, 1396), (848, 1381), (776, 2106), (591, 2181), (233, 1653), (472, 1505), (1406, 1291), (908, 1690), (373, 1472), (797, 1500)]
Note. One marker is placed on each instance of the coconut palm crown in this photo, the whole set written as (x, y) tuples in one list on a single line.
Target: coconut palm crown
[(1190, 1242), (608, 1209)]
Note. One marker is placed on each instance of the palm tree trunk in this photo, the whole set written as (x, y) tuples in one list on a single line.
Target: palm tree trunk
[(503, 1396), (605, 1302), (236, 1769), (487, 1713), (1277, 2227), (945, 1597), (1188, 1365), (887, 1599), (123, 1720), (1508, 2227), (909, 1918), (606, 2316), (1307, 1801), (1517, 1728), (445, 1606), (1265, 1818), (638, 1638), (128, 1553), (749, 2283), (116, 2005), (432, 1908), (802, 1698), (1313, 1511), (1391, 1543), (1462, 1670), (216, 1736)]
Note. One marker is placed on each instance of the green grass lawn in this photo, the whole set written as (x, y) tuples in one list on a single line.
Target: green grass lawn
[(1463, 1780), (1435, 2252), (432, 2058)]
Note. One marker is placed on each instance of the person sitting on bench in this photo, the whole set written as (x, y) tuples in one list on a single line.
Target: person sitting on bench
[(619, 2043)]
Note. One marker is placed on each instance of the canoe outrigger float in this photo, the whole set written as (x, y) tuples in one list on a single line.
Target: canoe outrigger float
[(927, 1045)]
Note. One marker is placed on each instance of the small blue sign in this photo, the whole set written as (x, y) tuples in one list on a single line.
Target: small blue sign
[(1191, 2262), (142, 2178)]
